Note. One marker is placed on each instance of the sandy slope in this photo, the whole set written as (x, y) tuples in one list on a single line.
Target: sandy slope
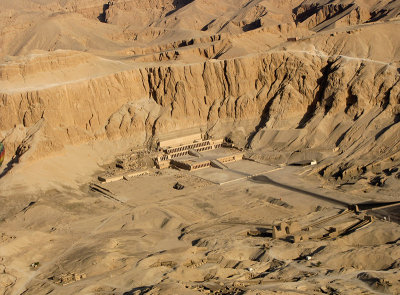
[(83, 82), (162, 241)]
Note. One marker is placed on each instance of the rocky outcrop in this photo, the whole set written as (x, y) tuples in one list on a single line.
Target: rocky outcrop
[(320, 15), (309, 101), (317, 16), (145, 12), (34, 64)]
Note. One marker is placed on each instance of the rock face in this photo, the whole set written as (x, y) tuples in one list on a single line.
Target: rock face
[(310, 101)]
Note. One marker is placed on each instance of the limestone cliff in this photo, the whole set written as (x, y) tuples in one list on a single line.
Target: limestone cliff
[(308, 100)]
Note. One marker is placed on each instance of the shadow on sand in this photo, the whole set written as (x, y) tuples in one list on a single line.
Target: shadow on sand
[(266, 180)]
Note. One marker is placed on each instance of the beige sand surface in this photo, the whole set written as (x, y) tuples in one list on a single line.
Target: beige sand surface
[(85, 85), (164, 241)]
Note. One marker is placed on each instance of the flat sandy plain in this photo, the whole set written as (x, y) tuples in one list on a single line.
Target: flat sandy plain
[(144, 237)]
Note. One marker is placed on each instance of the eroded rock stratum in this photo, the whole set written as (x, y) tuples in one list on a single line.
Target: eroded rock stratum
[(283, 100)]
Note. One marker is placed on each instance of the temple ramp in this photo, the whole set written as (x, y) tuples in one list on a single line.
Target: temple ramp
[(218, 164)]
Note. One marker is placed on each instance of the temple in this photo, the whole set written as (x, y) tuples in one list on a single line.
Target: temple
[(192, 153)]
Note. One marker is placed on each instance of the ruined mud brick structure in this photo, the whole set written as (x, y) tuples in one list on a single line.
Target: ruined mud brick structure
[(126, 176), (283, 229), (294, 233), (68, 278)]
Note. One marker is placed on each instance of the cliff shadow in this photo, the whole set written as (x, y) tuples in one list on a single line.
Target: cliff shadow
[(263, 179), (323, 84), (252, 26), (178, 4), (265, 116), (381, 132), (139, 290), (10, 165), (102, 16)]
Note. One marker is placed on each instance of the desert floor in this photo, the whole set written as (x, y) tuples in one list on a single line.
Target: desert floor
[(144, 237)]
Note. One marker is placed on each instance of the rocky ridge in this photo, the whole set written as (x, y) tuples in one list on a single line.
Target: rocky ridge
[(335, 100)]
